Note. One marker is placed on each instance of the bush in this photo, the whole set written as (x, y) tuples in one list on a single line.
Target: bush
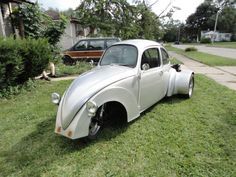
[(10, 91), (205, 40), (21, 60), (233, 38), (189, 49)]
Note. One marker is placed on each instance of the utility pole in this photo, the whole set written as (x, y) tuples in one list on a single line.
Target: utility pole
[(214, 34)]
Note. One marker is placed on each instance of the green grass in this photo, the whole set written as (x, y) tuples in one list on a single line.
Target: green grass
[(175, 61), (65, 70), (176, 137), (223, 44), (211, 60)]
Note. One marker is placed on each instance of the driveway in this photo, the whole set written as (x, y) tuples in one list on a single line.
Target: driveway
[(224, 52)]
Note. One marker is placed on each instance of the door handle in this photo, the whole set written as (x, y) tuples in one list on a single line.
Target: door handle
[(139, 75), (161, 73)]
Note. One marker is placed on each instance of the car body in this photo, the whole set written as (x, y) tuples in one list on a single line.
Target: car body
[(131, 76), (87, 49)]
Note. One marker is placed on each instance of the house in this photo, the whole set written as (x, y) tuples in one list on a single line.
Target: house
[(73, 33), (6, 26), (216, 36)]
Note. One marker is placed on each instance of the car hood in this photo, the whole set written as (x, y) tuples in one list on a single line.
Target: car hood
[(88, 84)]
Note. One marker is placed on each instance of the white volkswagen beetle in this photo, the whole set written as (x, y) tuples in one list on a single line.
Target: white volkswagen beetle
[(131, 76)]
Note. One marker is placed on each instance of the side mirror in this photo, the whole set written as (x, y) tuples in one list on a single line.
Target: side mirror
[(145, 66)]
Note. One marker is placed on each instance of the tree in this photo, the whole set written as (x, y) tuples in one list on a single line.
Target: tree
[(119, 18), (37, 24), (205, 17), (148, 23), (227, 19), (202, 19), (171, 29)]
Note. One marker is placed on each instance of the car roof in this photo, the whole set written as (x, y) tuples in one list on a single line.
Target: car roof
[(139, 43), (98, 38)]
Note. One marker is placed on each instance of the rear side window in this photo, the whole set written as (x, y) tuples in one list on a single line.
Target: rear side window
[(110, 42), (96, 45), (165, 56), (151, 57), (82, 45)]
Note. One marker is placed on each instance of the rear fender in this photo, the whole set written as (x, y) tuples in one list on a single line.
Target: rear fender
[(179, 82)]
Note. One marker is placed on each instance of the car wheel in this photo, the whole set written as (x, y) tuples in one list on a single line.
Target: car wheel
[(68, 60), (96, 124), (190, 87)]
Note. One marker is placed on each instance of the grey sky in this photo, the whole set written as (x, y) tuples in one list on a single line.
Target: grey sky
[(187, 6)]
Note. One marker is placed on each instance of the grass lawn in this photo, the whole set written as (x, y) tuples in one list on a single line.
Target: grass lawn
[(175, 61), (176, 137), (211, 60), (223, 44), (65, 70)]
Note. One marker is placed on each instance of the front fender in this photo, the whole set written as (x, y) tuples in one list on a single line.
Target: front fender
[(79, 127), (121, 95)]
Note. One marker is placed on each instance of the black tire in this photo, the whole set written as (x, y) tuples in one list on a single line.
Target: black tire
[(96, 124), (190, 87), (68, 60)]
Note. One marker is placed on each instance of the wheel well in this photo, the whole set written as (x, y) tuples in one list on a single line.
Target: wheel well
[(116, 112)]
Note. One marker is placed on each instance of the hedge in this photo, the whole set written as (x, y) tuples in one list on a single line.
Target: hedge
[(190, 49), (205, 40), (22, 59)]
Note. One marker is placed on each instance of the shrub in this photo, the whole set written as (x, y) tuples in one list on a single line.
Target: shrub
[(10, 91), (189, 49), (21, 60), (233, 38), (36, 55), (205, 40), (11, 63)]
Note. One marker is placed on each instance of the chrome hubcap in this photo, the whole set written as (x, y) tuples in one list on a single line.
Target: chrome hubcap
[(94, 127), (190, 87)]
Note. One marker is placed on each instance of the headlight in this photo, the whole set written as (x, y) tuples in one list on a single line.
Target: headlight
[(91, 108), (55, 98)]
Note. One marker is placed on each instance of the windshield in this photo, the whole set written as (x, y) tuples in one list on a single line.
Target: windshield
[(124, 55)]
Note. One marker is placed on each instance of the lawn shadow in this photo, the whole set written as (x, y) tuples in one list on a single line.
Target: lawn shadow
[(166, 100), (33, 153)]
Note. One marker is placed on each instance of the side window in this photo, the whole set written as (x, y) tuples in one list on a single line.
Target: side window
[(110, 42), (82, 45), (151, 57), (165, 56), (96, 45)]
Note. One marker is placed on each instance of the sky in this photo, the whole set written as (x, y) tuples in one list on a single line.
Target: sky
[(187, 7)]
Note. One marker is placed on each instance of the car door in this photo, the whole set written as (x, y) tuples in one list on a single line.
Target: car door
[(79, 51), (166, 67), (95, 49), (151, 78)]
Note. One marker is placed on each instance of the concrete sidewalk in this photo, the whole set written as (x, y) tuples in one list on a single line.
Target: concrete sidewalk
[(223, 75)]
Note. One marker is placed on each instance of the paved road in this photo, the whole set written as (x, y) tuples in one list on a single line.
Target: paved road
[(223, 75), (224, 52)]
